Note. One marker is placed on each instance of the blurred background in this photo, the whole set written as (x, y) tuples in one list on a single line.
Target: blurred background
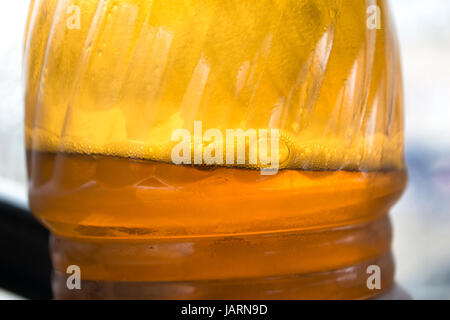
[(421, 219)]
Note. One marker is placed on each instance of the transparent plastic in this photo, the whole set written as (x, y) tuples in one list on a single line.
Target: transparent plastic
[(107, 84)]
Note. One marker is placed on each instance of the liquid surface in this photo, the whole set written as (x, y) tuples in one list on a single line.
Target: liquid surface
[(116, 197)]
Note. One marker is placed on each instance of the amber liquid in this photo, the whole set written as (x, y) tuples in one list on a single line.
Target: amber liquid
[(143, 229), (102, 103)]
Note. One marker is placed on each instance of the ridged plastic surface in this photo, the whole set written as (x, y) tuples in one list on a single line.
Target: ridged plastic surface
[(102, 102), (137, 70)]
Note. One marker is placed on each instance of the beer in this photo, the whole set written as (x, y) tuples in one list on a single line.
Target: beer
[(107, 89)]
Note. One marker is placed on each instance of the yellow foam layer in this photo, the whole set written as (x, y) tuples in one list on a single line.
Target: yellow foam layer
[(318, 154)]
